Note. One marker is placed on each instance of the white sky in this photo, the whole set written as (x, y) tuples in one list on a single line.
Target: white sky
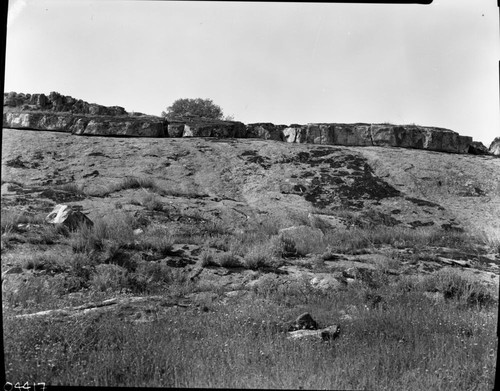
[(433, 65)]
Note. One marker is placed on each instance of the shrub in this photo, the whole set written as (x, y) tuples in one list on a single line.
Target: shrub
[(152, 202), (10, 219), (304, 240), (80, 273), (156, 238), (207, 258), (50, 262), (228, 260), (117, 228), (108, 277), (262, 255)]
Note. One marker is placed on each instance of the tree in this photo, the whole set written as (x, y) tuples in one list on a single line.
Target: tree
[(196, 107)]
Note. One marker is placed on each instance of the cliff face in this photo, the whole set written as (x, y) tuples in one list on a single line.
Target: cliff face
[(60, 113), (203, 127), (406, 136), (66, 114), (97, 125)]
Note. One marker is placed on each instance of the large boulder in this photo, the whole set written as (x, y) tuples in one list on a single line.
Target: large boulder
[(478, 148), (204, 127), (175, 129), (266, 131), (294, 133), (495, 147), (67, 216)]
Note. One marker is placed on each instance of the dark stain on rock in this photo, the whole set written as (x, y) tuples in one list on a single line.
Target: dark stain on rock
[(418, 223), (307, 174), (332, 184), (92, 174), (257, 159), (420, 202), (179, 262), (97, 154), (18, 163), (300, 188)]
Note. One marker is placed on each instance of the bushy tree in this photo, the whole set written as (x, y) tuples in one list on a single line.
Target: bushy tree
[(196, 107)]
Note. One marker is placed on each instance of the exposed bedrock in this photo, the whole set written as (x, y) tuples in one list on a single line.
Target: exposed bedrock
[(56, 112), (406, 136), (87, 125), (203, 127), (55, 102)]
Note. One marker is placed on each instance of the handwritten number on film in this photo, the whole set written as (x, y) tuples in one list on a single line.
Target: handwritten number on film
[(26, 386)]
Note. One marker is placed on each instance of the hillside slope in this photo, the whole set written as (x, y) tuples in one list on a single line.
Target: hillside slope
[(208, 247)]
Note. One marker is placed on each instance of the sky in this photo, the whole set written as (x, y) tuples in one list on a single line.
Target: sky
[(431, 65)]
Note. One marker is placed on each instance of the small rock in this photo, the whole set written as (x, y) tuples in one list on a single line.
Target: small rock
[(304, 322), (326, 283), (326, 334)]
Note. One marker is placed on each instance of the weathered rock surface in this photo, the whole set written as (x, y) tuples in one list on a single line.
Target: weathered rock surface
[(495, 147), (478, 148), (265, 130), (56, 102), (64, 113), (60, 113), (86, 125), (204, 127), (66, 215)]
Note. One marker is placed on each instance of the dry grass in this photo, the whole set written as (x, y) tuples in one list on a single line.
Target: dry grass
[(409, 343), (394, 335)]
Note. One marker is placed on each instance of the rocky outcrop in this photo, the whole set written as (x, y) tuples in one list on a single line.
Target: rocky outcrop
[(266, 131), (386, 135), (63, 113), (205, 127), (86, 125), (495, 147), (56, 112), (56, 102)]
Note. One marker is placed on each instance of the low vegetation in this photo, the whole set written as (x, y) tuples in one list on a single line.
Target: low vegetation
[(408, 341), (397, 332)]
